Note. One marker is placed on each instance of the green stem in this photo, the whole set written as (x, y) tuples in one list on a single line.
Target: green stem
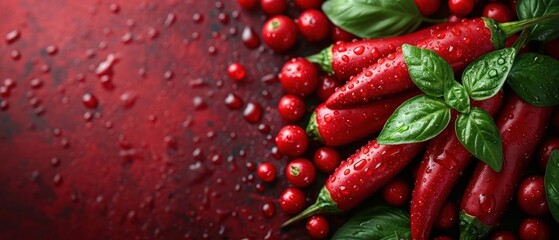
[(323, 59), (323, 204), (312, 128), (471, 228), (434, 20), (511, 28), (521, 41)]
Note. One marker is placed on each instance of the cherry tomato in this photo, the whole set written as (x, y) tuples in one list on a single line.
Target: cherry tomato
[(461, 8), (279, 33), (428, 7), (397, 192), (313, 25), (318, 227), (545, 149), (502, 235), (448, 217), (327, 159), (338, 34), (291, 108), (308, 4), (300, 172), (531, 196), (273, 7), (500, 12), (533, 229), (299, 77), (248, 4), (292, 201), (236, 71), (266, 172), (326, 87), (292, 141)]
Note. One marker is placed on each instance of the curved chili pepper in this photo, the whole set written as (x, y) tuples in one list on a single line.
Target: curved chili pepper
[(347, 59), (459, 44), (363, 173), (339, 127), (441, 167), (488, 194)]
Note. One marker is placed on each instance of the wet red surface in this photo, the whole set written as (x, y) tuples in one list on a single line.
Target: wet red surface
[(117, 128)]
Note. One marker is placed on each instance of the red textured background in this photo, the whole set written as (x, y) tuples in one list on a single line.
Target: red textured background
[(171, 162)]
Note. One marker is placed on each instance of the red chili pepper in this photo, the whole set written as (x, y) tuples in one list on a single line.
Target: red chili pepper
[(488, 194), (339, 127), (459, 44), (363, 173), (346, 59), (441, 167)]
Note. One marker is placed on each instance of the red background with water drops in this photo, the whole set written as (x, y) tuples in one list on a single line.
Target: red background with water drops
[(113, 121)]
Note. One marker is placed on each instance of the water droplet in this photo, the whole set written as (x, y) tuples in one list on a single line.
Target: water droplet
[(487, 202), (89, 100), (233, 101), (359, 50), (13, 36), (253, 112), (492, 73), (250, 38)]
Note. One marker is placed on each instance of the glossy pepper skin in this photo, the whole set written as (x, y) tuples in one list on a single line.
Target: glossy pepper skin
[(459, 44), (442, 165), (358, 177), (347, 59), (488, 194), (343, 126)]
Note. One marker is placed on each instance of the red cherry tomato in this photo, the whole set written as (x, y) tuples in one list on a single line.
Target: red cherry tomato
[(461, 8), (397, 192), (279, 33), (428, 7), (318, 227), (327, 86), (327, 159), (292, 141), (338, 34), (292, 201), (448, 217), (531, 196), (273, 7), (308, 4), (502, 235), (266, 172), (533, 229), (313, 25), (291, 108), (300, 172), (298, 77), (500, 12)]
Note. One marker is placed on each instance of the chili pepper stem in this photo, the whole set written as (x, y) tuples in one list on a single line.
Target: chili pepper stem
[(312, 128), (521, 41), (511, 28), (323, 59), (323, 204)]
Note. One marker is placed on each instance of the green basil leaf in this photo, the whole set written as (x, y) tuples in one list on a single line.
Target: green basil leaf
[(374, 18), (535, 78), (455, 96), (380, 222), (527, 9), (484, 77), (551, 182), (418, 119), (478, 133), (427, 69)]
